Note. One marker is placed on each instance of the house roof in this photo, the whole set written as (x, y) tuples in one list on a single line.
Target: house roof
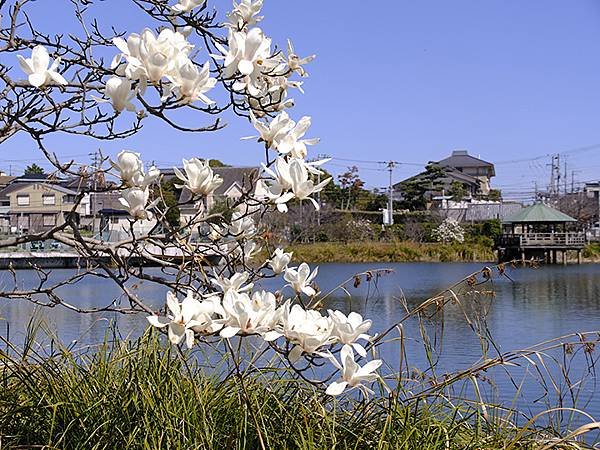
[(450, 174), (461, 158), (241, 176), (32, 177), (539, 213), (6, 179), (13, 187)]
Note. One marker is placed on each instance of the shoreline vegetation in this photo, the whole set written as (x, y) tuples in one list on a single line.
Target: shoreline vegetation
[(405, 251), (408, 251)]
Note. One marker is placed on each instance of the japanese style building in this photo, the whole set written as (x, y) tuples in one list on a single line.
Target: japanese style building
[(540, 232)]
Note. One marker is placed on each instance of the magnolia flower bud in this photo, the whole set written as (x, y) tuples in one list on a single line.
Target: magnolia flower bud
[(119, 91), (129, 165)]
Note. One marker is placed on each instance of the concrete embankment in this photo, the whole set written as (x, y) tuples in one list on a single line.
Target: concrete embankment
[(43, 260)]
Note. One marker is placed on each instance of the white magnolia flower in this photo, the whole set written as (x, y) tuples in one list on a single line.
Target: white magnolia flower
[(280, 260), (246, 315), (292, 142), (242, 225), (352, 374), (295, 63), (234, 283), (302, 186), (272, 133), (348, 329), (245, 13), (120, 94), (151, 57), (307, 329), (247, 54), (156, 54), (299, 278), (199, 177), (190, 82), (249, 250), (281, 174), (189, 317), (36, 67), (135, 199), (187, 5)]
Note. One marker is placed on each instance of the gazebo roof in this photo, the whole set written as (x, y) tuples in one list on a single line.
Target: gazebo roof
[(539, 213)]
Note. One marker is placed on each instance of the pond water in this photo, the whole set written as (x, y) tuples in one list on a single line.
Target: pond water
[(534, 305)]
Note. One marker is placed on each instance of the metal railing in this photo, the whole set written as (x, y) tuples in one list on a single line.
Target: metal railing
[(543, 240)]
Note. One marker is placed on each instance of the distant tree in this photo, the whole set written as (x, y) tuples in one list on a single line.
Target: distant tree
[(376, 201), (457, 191), (170, 194), (414, 192), (495, 195), (217, 163), (492, 229), (34, 169), (351, 186)]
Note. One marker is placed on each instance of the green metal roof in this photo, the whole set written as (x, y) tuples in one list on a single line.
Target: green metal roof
[(539, 213)]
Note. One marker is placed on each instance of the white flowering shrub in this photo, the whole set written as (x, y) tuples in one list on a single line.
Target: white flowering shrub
[(184, 63), (449, 231)]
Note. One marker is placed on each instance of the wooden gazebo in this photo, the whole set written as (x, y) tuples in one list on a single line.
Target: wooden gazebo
[(540, 232)]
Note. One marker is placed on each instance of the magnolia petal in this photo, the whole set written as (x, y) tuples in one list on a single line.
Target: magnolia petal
[(40, 59), (189, 338), (245, 67), (158, 321), (270, 336), (37, 79), (295, 354), (176, 332), (336, 388), (229, 332), (369, 367), (308, 290), (360, 350), (58, 78), (25, 65)]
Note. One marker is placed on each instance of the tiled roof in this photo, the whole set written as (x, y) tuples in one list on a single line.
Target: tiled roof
[(461, 158)]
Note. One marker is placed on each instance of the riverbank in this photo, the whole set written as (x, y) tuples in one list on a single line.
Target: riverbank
[(362, 252)]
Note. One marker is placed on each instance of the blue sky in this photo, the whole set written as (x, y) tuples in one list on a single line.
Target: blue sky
[(409, 81)]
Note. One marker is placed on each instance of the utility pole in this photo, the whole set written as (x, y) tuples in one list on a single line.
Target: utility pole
[(566, 177), (96, 162), (555, 176), (319, 157), (390, 166)]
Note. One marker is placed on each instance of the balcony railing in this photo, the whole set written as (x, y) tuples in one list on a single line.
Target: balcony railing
[(543, 240)]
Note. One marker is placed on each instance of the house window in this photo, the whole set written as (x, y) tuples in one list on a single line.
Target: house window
[(114, 219), (49, 220), (23, 200), (49, 199)]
